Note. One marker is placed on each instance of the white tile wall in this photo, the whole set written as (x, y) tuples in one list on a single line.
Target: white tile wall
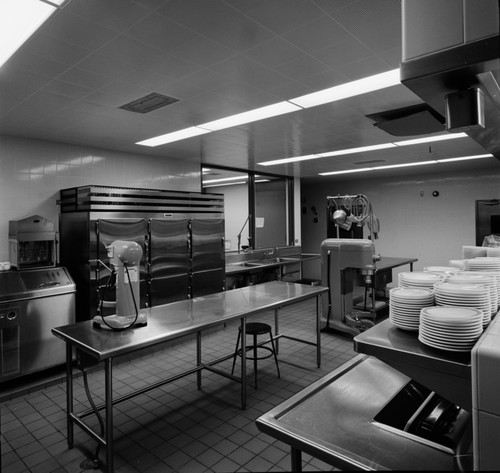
[(33, 172), (413, 223)]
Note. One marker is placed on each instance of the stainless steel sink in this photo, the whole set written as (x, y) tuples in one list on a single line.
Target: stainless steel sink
[(264, 262)]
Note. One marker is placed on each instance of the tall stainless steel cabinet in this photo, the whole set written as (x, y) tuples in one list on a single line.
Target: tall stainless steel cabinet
[(181, 234)]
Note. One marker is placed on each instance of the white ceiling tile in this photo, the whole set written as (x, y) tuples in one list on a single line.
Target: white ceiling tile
[(218, 57), (281, 16), (326, 32), (302, 67)]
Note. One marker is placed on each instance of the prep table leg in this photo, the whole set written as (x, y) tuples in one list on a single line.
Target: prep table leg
[(198, 358), (108, 367), (319, 310), (243, 363), (69, 393), (296, 459), (277, 329)]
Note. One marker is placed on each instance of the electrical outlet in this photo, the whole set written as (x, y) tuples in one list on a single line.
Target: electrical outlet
[(421, 193)]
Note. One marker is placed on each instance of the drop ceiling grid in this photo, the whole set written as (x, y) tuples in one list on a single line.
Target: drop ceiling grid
[(218, 58)]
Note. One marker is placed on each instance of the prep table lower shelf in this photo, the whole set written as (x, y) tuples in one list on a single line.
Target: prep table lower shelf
[(333, 420)]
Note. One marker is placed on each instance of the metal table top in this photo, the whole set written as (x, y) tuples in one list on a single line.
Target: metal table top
[(333, 420), (177, 319), (387, 262)]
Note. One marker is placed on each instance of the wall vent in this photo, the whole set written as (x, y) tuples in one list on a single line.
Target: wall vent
[(149, 103)]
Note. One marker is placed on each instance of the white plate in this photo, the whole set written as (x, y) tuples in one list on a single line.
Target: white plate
[(439, 346), (463, 314)]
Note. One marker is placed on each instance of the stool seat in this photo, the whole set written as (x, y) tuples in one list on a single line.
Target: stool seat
[(257, 328), (254, 329)]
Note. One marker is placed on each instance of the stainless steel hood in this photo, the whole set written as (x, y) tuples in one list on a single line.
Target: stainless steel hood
[(452, 48), (472, 65)]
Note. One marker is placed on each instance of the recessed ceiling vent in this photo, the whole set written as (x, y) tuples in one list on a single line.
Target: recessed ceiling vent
[(408, 121), (149, 103)]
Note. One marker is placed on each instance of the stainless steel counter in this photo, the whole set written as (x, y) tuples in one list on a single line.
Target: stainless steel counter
[(447, 373), (175, 320), (252, 265), (333, 420)]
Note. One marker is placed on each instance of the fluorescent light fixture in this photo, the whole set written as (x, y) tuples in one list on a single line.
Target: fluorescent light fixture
[(289, 160), (362, 149), (465, 158), (18, 21), (430, 139), (347, 171), (357, 87), (251, 116), (226, 184), (350, 89), (225, 179), (174, 136), (420, 163), (405, 165)]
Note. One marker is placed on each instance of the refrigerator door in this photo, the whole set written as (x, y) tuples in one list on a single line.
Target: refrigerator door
[(208, 256), (170, 260), (107, 231)]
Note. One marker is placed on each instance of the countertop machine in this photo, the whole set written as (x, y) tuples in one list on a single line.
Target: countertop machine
[(125, 257), (342, 259), (32, 302), (32, 242)]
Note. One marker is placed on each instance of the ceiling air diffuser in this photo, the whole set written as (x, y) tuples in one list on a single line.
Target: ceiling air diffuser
[(149, 103), (408, 121)]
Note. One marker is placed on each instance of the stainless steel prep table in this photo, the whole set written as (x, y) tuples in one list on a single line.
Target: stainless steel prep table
[(332, 419), (172, 321)]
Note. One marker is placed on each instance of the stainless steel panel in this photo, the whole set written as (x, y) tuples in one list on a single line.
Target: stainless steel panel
[(208, 282), (169, 247), (39, 350), (446, 373), (10, 343), (169, 288), (41, 299), (207, 244)]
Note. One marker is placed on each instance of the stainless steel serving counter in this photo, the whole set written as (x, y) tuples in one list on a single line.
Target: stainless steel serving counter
[(171, 321), (447, 373), (333, 420)]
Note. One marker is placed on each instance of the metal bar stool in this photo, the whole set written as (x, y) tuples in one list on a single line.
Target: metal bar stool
[(255, 329)]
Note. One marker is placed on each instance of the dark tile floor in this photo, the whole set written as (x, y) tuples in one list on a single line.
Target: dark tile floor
[(176, 427)]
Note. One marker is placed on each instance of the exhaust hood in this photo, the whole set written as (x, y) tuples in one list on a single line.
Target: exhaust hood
[(459, 74)]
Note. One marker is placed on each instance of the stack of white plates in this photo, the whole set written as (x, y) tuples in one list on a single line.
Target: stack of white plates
[(420, 279), (450, 328), (473, 251), (442, 269), (475, 296), (457, 263), (479, 277), (494, 273), (405, 304), (493, 251), (482, 264)]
